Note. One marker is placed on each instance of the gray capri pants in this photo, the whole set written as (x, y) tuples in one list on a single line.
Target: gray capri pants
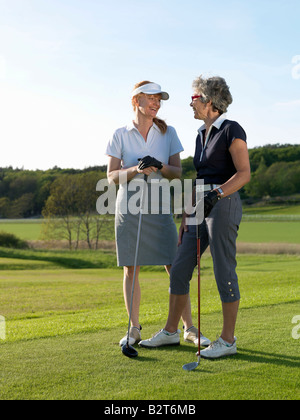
[(219, 231)]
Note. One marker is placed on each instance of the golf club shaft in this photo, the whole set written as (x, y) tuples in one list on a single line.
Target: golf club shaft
[(194, 365), (199, 287), (136, 254)]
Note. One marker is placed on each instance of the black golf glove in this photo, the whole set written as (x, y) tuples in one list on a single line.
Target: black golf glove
[(148, 161), (210, 200)]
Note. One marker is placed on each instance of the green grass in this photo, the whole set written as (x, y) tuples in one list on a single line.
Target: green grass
[(263, 232), (63, 327), (274, 210), (65, 314), (57, 258), (27, 229), (260, 224)]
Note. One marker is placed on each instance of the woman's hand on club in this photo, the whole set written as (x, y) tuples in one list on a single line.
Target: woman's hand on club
[(183, 228)]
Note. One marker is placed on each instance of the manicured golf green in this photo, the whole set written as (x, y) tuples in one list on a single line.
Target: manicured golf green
[(63, 326), (64, 316)]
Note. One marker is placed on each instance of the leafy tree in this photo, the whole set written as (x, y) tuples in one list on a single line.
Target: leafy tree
[(70, 210), (4, 207), (86, 205), (60, 210), (22, 206), (258, 186)]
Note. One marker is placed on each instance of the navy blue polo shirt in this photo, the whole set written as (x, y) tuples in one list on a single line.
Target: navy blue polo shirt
[(213, 160)]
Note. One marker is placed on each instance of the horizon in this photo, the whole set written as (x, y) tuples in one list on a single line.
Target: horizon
[(275, 145)]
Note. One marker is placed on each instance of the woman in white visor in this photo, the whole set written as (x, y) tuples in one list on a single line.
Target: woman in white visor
[(146, 146)]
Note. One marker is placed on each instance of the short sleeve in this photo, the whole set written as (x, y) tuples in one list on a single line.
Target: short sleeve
[(235, 131), (114, 147), (175, 143)]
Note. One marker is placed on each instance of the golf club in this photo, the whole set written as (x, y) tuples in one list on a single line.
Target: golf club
[(194, 365), (128, 350)]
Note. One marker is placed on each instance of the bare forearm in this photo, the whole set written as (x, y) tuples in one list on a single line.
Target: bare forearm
[(240, 157), (171, 172), (236, 182), (123, 174)]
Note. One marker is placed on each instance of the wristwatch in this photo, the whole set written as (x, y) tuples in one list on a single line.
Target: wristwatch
[(221, 192)]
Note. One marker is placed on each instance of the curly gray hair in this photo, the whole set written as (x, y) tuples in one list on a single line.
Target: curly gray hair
[(214, 89)]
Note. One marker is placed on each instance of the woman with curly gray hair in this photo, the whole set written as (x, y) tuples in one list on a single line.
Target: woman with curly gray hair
[(214, 89), (222, 162)]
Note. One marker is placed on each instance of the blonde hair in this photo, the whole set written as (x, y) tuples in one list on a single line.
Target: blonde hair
[(161, 124)]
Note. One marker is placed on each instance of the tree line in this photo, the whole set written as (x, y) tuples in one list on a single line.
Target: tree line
[(26, 193), (275, 171)]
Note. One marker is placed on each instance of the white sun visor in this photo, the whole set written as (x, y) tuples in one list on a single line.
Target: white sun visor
[(151, 89)]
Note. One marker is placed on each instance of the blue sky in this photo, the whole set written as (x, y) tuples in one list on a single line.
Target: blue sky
[(67, 68)]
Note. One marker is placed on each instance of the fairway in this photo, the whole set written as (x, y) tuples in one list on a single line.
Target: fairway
[(267, 231), (26, 229), (261, 228), (63, 328)]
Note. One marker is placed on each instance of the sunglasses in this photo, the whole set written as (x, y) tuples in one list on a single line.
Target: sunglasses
[(194, 97)]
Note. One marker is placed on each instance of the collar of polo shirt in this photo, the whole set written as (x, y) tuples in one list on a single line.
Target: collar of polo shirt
[(219, 121)]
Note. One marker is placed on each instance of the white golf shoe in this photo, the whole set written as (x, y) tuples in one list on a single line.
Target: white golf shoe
[(191, 336), (162, 338), (219, 348), (134, 336)]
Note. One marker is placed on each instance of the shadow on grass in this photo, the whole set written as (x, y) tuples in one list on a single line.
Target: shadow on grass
[(255, 356), (67, 259), (246, 355), (61, 259), (143, 358), (145, 355), (269, 358)]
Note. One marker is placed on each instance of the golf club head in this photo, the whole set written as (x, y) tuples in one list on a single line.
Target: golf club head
[(129, 351), (190, 366)]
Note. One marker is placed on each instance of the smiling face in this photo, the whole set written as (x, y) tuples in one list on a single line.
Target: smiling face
[(148, 105), (200, 108)]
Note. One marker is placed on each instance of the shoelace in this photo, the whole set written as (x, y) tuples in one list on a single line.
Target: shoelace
[(158, 333), (154, 335), (215, 343)]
